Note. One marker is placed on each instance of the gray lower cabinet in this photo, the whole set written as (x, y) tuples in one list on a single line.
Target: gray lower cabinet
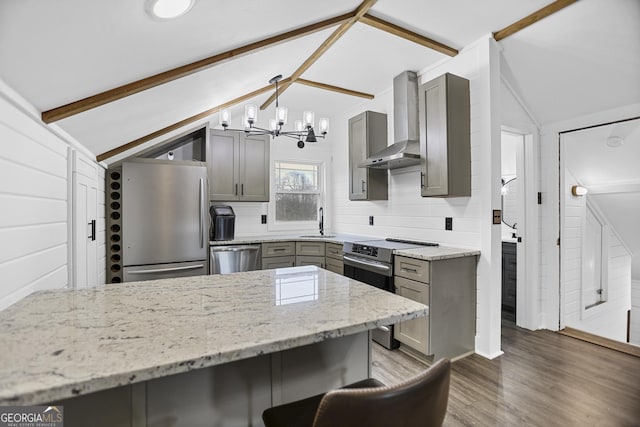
[(278, 262), (448, 287), (367, 135), (278, 255), (238, 167), (289, 254), (414, 333), (445, 147), (318, 261), (310, 248), (509, 276), (333, 258)]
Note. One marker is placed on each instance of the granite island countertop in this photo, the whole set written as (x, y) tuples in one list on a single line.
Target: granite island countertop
[(64, 343)]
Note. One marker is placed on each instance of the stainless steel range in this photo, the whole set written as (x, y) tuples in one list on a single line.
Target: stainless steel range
[(371, 262)]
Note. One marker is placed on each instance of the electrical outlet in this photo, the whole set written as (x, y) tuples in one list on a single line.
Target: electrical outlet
[(370, 219), (263, 219), (448, 223)]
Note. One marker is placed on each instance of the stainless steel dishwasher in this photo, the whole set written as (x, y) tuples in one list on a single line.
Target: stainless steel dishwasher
[(225, 259)]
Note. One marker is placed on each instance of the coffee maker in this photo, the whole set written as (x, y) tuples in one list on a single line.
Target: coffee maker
[(223, 222)]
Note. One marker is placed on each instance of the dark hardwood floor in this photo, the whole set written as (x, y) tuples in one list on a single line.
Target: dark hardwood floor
[(543, 379)]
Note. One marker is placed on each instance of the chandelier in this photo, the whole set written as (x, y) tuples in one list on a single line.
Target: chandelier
[(303, 129)]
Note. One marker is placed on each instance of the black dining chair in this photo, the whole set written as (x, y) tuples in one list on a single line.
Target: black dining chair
[(419, 401)]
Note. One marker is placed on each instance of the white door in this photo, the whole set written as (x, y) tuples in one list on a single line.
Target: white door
[(85, 210)]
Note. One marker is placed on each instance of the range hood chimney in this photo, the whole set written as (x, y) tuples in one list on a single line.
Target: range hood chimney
[(405, 151)]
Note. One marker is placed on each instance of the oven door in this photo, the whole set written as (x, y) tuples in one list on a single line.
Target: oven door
[(375, 274)]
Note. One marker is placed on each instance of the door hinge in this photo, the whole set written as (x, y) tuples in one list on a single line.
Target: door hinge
[(558, 242), (539, 198)]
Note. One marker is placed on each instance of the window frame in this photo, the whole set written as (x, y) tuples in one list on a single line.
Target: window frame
[(272, 223)]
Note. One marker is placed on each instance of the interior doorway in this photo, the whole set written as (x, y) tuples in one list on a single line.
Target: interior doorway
[(514, 225), (599, 235)]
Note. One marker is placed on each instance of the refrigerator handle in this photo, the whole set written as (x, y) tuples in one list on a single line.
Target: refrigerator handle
[(202, 216)]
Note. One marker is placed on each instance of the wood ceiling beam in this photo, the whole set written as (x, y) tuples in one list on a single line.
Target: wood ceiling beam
[(360, 11), (178, 125), (334, 88), (120, 92), (533, 18), (396, 30)]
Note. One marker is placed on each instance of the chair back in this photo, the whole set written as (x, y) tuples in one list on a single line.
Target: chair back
[(420, 401)]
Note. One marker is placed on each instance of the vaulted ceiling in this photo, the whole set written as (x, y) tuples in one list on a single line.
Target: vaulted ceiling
[(582, 59)]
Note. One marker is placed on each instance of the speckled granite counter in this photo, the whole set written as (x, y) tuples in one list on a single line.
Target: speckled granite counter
[(434, 253), (63, 343)]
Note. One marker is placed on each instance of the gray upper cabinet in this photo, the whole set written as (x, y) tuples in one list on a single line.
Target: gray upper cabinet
[(238, 167), (367, 135), (445, 149)]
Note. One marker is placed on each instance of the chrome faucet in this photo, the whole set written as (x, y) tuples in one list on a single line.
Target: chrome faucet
[(321, 221)]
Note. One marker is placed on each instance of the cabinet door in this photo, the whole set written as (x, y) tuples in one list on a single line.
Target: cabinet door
[(254, 168), (357, 153), (278, 262), (223, 157), (85, 213), (415, 332), (318, 261), (334, 265), (310, 248), (411, 268), (278, 249), (333, 250), (445, 151), (509, 276), (367, 135)]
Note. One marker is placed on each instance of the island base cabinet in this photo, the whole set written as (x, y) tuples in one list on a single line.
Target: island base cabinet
[(229, 395)]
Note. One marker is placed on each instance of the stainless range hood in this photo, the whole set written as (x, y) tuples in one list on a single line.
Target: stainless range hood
[(406, 149)]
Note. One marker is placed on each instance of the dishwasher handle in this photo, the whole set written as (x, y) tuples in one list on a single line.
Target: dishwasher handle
[(234, 248)]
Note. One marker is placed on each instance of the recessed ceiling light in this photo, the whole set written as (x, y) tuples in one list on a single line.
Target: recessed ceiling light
[(615, 141), (167, 9)]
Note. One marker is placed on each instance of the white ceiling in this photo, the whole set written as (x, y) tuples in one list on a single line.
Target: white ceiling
[(580, 60), (611, 174)]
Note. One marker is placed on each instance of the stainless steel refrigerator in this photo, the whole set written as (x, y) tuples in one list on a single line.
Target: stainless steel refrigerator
[(165, 222)]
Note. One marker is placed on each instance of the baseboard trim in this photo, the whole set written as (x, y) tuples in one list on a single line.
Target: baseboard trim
[(601, 341)]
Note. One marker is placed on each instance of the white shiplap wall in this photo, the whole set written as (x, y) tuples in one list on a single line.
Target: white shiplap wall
[(408, 215), (634, 335), (34, 194), (608, 319)]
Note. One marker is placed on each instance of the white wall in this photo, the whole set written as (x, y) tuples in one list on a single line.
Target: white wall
[(549, 216), (407, 214), (34, 195), (634, 336)]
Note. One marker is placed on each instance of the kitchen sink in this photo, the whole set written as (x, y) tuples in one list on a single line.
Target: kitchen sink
[(317, 236)]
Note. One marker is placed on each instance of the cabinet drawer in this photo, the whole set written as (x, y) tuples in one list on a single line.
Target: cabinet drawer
[(334, 265), (278, 262), (318, 261), (278, 249), (310, 248), (333, 250), (410, 268), (413, 333)]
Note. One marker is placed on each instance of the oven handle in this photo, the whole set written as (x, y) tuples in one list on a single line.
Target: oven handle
[(373, 266)]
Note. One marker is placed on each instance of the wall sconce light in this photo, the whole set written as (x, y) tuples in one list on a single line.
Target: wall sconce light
[(577, 190)]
